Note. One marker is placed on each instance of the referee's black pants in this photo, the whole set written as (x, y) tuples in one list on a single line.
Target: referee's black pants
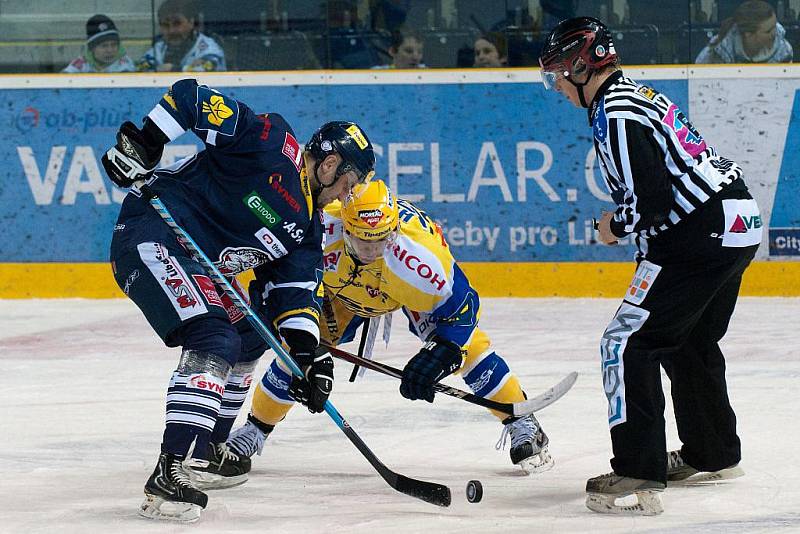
[(675, 320)]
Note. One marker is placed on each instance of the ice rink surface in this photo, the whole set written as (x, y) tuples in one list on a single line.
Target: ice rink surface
[(83, 385)]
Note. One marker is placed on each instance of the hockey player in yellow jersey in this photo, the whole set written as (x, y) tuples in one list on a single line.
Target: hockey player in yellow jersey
[(383, 254)]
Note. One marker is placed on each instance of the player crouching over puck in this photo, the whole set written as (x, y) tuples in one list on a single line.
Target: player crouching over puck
[(696, 229), (383, 254)]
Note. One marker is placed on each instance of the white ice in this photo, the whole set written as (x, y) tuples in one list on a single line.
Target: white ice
[(82, 387)]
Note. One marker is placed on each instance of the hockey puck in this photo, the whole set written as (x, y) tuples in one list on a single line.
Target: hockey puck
[(474, 491)]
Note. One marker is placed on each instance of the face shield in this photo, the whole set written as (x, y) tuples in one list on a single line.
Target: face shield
[(367, 251), (552, 74)]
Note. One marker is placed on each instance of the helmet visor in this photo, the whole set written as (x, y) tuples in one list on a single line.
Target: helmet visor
[(367, 251), (552, 74)]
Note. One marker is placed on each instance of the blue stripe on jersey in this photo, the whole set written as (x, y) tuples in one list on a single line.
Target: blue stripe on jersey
[(276, 381), (457, 317), (487, 375)]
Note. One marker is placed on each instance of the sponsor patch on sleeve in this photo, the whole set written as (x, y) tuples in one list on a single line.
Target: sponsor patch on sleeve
[(207, 288), (291, 149), (643, 280), (273, 245)]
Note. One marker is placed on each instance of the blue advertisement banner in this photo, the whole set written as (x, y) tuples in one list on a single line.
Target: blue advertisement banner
[(507, 169), (784, 227)]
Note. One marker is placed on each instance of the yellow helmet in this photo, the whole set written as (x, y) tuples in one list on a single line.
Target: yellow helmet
[(370, 211), (370, 219)]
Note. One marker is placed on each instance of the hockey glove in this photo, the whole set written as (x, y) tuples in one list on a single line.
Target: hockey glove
[(314, 388), (134, 157), (436, 360)]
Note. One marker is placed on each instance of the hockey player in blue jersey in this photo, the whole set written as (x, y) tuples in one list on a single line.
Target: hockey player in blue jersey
[(250, 200)]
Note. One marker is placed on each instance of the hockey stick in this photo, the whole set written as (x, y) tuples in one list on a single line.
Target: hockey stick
[(361, 345), (431, 492), (515, 409)]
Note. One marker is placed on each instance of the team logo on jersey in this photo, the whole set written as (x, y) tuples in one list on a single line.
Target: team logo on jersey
[(371, 217), (357, 136), (291, 149), (261, 209), (235, 260), (215, 112)]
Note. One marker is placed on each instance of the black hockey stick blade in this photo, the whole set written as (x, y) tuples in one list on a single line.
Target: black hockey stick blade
[(430, 492)]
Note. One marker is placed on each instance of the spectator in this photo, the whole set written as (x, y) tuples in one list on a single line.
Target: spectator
[(752, 35), (181, 47), (406, 50), (491, 50), (104, 53)]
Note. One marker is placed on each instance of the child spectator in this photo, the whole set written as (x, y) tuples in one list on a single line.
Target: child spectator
[(104, 52)]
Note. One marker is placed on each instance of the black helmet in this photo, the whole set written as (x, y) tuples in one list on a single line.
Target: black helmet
[(349, 141), (575, 46)]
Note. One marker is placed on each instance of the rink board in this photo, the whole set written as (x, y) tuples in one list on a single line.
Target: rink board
[(505, 167), (590, 279)]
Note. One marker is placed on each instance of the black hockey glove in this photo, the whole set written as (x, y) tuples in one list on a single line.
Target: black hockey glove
[(135, 155), (437, 359), (314, 388)]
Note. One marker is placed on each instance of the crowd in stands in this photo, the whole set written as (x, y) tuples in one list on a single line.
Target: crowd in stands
[(198, 35)]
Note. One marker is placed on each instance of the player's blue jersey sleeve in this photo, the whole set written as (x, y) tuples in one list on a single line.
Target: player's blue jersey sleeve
[(291, 287), (237, 141), (457, 317)]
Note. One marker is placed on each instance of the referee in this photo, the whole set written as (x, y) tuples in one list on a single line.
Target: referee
[(696, 229)]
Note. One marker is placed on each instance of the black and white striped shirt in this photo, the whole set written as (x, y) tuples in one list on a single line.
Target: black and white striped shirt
[(657, 166)]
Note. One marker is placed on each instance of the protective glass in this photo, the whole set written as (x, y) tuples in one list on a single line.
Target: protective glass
[(367, 251)]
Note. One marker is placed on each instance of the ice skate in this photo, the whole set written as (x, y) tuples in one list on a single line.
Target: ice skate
[(529, 445), (604, 490), (170, 495), (224, 469), (249, 439), (680, 473)]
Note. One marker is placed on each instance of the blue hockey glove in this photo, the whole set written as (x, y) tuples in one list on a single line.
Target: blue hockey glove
[(134, 157), (437, 359)]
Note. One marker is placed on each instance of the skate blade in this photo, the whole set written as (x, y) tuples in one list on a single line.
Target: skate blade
[(713, 477), (648, 503), (538, 463), (155, 507), (211, 481)]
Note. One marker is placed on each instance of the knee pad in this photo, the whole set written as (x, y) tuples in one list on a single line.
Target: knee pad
[(213, 335)]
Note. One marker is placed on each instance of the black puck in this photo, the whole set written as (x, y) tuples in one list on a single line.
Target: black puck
[(474, 491)]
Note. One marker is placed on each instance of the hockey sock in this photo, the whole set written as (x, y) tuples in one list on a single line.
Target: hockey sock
[(194, 397), (271, 400), (488, 376), (232, 399)]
